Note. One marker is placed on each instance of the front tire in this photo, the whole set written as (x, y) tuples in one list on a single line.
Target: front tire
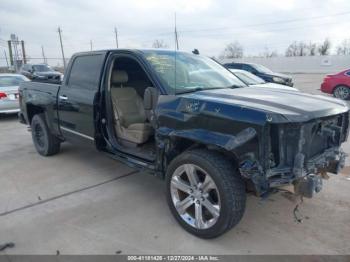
[(205, 193), (342, 92), (45, 143)]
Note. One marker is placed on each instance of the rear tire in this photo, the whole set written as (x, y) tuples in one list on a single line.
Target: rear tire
[(45, 143), (342, 92), (220, 205)]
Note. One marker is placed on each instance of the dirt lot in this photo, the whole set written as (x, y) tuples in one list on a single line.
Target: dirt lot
[(83, 202)]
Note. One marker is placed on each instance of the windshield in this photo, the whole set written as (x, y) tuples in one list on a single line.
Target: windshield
[(192, 72), (42, 68), (12, 80), (249, 78), (262, 69)]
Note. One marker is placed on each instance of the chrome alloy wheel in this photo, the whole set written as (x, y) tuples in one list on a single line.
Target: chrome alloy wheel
[(342, 92), (195, 196)]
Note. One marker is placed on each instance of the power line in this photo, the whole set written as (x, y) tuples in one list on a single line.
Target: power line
[(5, 55), (269, 31), (40, 58), (267, 23)]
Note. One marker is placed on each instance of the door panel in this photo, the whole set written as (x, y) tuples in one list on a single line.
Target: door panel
[(76, 98)]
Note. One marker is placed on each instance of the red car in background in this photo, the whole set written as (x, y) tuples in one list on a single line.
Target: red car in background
[(337, 84)]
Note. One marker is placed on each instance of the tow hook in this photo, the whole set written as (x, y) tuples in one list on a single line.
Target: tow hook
[(308, 185)]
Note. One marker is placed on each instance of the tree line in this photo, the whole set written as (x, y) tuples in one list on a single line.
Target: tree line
[(296, 48)]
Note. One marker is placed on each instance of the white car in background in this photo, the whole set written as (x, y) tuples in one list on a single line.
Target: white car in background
[(9, 84), (253, 80)]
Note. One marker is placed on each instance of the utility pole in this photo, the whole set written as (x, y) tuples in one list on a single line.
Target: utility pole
[(14, 44), (64, 60), (90, 45), (43, 54), (116, 36), (176, 36), (23, 53), (10, 52)]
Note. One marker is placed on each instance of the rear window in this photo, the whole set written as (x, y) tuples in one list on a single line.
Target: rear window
[(85, 72), (11, 80)]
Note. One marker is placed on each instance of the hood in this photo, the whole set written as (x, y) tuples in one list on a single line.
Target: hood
[(279, 105), (277, 75), (274, 85), (50, 73)]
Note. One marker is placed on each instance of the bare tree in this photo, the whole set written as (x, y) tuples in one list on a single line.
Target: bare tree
[(268, 53), (344, 47), (324, 48), (159, 44), (233, 50), (297, 49), (292, 49), (312, 49), (302, 49)]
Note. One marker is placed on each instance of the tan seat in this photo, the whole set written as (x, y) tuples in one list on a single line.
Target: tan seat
[(129, 113)]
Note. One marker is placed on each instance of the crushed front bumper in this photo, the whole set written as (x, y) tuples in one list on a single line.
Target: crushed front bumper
[(306, 177)]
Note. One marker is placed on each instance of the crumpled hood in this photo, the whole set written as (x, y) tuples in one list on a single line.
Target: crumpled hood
[(280, 105)]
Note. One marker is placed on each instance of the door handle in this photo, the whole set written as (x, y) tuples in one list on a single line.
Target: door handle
[(63, 97)]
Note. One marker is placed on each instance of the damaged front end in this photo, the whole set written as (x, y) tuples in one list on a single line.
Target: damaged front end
[(298, 155)]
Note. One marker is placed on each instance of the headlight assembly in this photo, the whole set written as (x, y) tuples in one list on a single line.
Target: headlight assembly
[(278, 79)]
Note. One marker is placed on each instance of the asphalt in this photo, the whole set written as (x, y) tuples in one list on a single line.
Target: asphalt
[(82, 202)]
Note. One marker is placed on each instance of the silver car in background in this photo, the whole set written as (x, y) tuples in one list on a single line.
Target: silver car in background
[(253, 80), (9, 84)]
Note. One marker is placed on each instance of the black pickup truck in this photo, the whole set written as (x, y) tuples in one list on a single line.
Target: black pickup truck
[(187, 119)]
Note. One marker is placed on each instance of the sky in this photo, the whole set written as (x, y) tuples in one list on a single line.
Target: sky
[(208, 25)]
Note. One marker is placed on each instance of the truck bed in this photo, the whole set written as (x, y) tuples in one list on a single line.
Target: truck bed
[(41, 96)]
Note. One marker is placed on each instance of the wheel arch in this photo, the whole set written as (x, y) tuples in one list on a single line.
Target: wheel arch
[(182, 144), (223, 144), (33, 110)]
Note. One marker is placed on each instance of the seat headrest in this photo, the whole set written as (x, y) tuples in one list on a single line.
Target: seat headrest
[(119, 77)]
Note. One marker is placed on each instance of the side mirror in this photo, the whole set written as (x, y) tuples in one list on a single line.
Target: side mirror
[(150, 98)]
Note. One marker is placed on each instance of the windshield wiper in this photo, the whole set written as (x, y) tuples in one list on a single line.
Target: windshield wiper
[(192, 90)]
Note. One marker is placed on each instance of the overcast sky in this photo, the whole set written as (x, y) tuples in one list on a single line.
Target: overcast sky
[(207, 25)]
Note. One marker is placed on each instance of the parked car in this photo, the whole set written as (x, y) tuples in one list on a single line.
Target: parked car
[(262, 72), (253, 80), (9, 84), (41, 72), (209, 141), (337, 84)]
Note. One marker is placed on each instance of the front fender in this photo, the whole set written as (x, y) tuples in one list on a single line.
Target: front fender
[(225, 141)]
